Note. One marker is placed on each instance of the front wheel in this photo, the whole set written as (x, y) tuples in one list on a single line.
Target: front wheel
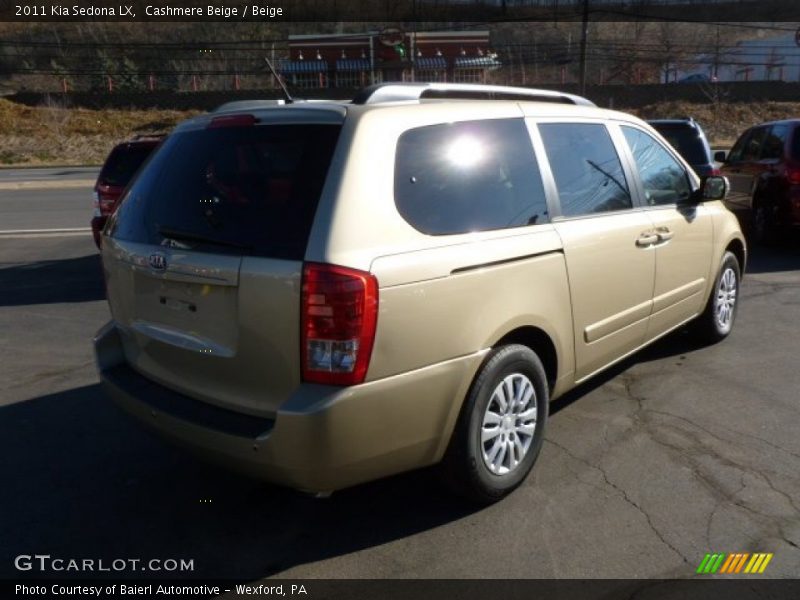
[(717, 319), (500, 430)]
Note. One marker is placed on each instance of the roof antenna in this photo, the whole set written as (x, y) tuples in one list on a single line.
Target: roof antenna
[(286, 94)]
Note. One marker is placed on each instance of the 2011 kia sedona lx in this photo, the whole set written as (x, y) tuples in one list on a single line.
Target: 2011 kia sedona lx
[(322, 294)]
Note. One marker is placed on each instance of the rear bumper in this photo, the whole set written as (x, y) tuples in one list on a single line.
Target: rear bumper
[(323, 438)]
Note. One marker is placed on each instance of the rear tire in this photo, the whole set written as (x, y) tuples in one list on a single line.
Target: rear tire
[(500, 430), (717, 320)]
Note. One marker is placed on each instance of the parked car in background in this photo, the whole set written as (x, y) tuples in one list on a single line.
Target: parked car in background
[(689, 139), (764, 172), (321, 294), (119, 168), (696, 78)]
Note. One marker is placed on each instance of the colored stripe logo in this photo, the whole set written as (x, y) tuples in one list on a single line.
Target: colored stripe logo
[(735, 562)]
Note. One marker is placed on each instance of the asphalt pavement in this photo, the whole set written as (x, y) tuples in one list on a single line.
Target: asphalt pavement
[(679, 451), (36, 209), (49, 174)]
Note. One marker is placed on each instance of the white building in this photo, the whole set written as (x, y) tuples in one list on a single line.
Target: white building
[(763, 59)]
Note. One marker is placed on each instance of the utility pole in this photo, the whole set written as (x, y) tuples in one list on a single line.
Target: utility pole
[(413, 48), (584, 45)]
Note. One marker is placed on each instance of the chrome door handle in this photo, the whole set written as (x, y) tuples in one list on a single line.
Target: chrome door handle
[(647, 239), (664, 234)]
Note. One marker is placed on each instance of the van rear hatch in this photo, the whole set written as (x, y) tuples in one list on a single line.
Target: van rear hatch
[(205, 258)]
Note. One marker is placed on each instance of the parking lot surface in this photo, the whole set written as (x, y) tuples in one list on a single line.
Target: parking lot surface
[(679, 451)]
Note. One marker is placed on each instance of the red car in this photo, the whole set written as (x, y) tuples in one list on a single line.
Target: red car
[(118, 170), (764, 171)]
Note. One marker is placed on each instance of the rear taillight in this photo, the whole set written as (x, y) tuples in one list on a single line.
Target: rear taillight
[(715, 172), (96, 204), (104, 201), (793, 175), (339, 315)]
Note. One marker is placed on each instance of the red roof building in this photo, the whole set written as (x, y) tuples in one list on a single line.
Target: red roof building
[(356, 60)]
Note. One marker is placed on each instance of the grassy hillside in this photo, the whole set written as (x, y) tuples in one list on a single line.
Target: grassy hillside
[(49, 135), (52, 135), (723, 122)]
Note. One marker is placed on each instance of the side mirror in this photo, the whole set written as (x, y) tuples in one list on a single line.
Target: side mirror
[(714, 187), (720, 156)]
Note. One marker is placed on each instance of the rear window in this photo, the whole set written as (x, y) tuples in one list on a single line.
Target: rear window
[(248, 190), (687, 142), (469, 176), (122, 164)]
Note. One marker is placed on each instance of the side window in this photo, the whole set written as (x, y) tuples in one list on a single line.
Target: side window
[(586, 168), (755, 145), (664, 179), (775, 142), (468, 176), (737, 152)]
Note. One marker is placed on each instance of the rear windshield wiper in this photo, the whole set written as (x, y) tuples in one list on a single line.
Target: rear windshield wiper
[(190, 236)]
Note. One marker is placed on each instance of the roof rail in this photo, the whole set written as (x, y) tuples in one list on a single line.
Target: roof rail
[(394, 92)]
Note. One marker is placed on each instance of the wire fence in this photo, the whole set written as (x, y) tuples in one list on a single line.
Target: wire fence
[(514, 71), (91, 58)]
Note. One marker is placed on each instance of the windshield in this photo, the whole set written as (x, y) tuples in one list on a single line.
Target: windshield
[(251, 190)]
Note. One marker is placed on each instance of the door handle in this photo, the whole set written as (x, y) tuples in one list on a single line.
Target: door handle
[(648, 238), (664, 234)]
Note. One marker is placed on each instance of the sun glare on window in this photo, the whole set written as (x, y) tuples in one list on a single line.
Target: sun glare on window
[(465, 152)]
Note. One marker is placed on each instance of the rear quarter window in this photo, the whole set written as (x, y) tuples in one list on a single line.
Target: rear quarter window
[(251, 190), (469, 176)]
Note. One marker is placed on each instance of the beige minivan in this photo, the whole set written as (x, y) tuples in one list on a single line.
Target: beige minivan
[(326, 293)]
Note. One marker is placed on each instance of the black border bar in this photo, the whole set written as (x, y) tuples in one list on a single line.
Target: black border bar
[(408, 11), (735, 588)]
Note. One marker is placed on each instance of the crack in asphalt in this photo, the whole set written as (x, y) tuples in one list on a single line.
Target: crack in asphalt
[(683, 451), (624, 496), (689, 454), (685, 455), (717, 436)]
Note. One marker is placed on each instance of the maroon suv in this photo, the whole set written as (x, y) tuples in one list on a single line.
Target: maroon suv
[(764, 170), (118, 170)]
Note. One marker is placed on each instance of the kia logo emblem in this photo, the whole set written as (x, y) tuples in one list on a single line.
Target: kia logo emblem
[(157, 261)]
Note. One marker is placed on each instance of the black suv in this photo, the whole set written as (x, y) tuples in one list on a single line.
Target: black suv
[(688, 138)]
